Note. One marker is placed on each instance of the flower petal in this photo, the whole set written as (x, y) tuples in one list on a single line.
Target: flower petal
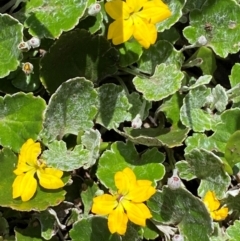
[(120, 31), (48, 179), (135, 5), (16, 192), (117, 9), (117, 221), (104, 204), (141, 192), (53, 171), (211, 201), (155, 11), (220, 214), (25, 186), (136, 212), (125, 180), (145, 33), (29, 152), (22, 168)]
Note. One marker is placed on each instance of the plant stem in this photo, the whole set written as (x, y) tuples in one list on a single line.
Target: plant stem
[(134, 72)]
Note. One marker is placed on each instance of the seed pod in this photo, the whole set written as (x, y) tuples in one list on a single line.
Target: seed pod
[(94, 9), (137, 122), (34, 42), (174, 182), (177, 237), (24, 46)]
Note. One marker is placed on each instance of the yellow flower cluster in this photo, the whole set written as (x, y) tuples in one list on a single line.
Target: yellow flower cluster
[(213, 204), (135, 18), (127, 204), (25, 184)]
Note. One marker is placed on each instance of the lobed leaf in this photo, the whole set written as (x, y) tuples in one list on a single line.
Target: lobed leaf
[(21, 119), (181, 208), (206, 166), (114, 106), (218, 23), (71, 108), (49, 19), (165, 82), (122, 155), (81, 55), (11, 37)]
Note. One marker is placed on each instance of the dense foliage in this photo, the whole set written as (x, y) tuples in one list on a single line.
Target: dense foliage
[(119, 120)]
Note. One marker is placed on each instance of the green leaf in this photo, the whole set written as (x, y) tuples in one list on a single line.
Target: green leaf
[(88, 195), (32, 232), (235, 82), (223, 130), (171, 108), (202, 80), (138, 106), (66, 160), (82, 54), (91, 23), (218, 234), (218, 23), (11, 36), (92, 229), (42, 199), (208, 168), (179, 207), (228, 125), (50, 19), (233, 231), (171, 35), (71, 109), (114, 106), (161, 84), (130, 52), (4, 226), (121, 155), (170, 137), (57, 154), (176, 10), (191, 5), (234, 77), (161, 52), (48, 224), (233, 203), (191, 113), (232, 150), (209, 61), (91, 141), (21, 118), (220, 98), (150, 231)]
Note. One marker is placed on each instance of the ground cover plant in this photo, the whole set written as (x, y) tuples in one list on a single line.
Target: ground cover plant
[(119, 120)]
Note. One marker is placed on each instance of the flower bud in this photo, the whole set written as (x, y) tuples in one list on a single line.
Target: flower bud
[(94, 9), (34, 42), (27, 68), (24, 46), (174, 182), (177, 237), (202, 40), (137, 122)]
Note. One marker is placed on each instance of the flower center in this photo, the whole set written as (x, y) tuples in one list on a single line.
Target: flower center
[(40, 164)]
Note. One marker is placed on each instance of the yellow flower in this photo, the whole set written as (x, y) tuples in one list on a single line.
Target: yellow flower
[(25, 184), (127, 203), (213, 205), (135, 18)]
